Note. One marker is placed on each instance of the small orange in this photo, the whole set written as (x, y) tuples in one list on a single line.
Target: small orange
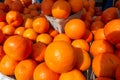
[(61, 9), (62, 37), (30, 34), (2, 24), (28, 23), (38, 50), (41, 69), (41, 25), (8, 29), (72, 75), (53, 32), (24, 69), (101, 46), (2, 53), (19, 30), (75, 28), (60, 56), (80, 43), (7, 65), (44, 38)]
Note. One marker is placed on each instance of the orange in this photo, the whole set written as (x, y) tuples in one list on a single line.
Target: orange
[(8, 29), (99, 34), (24, 69), (72, 75), (62, 37), (53, 32), (19, 30), (2, 36), (60, 56), (46, 6), (101, 46), (41, 25), (7, 65), (75, 28), (83, 59), (30, 34), (61, 9), (80, 43), (104, 65), (14, 18), (112, 31), (2, 53), (20, 49), (41, 69), (76, 5), (109, 14), (38, 51), (117, 73), (103, 78), (28, 23), (44, 38), (2, 24)]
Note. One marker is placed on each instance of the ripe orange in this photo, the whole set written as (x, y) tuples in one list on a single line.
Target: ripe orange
[(2, 24), (30, 34), (72, 75), (104, 65), (19, 30), (112, 31), (2, 53), (7, 65), (41, 25), (76, 5), (75, 28), (101, 46), (44, 38), (38, 51), (80, 43), (14, 18), (17, 47), (24, 69), (41, 69), (61, 9), (53, 32), (28, 23), (60, 56), (62, 37)]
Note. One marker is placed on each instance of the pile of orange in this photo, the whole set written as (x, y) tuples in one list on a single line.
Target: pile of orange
[(30, 48)]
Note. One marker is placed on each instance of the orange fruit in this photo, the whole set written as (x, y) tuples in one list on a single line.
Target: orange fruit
[(99, 34), (80, 43), (103, 78), (72, 75), (46, 7), (44, 38), (60, 56), (19, 30), (62, 37), (2, 53), (41, 25), (83, 59), (117, 73), (8, 29), (2, 24), (75, 28), (41, 69), (24, 69), (76, 5), (109, 14), (111, 31), (61, 9), (38, 51), (7, 65), (20, 48), (101, 46), (30, 34), (104, 65), (53, 32), (2, 36), (28, 23), (14, 18)]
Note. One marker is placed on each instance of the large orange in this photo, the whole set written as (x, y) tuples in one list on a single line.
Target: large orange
[(104, 65), (7, 65), (41, 25), (24, 69), (61, 9), (41, 69), (17, 47), (75, 28), (112, 31), (101, 46), (60, 56), (72, 75)]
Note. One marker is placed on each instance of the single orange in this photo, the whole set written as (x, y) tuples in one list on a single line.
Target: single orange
[(19, 30), (28, 23)]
